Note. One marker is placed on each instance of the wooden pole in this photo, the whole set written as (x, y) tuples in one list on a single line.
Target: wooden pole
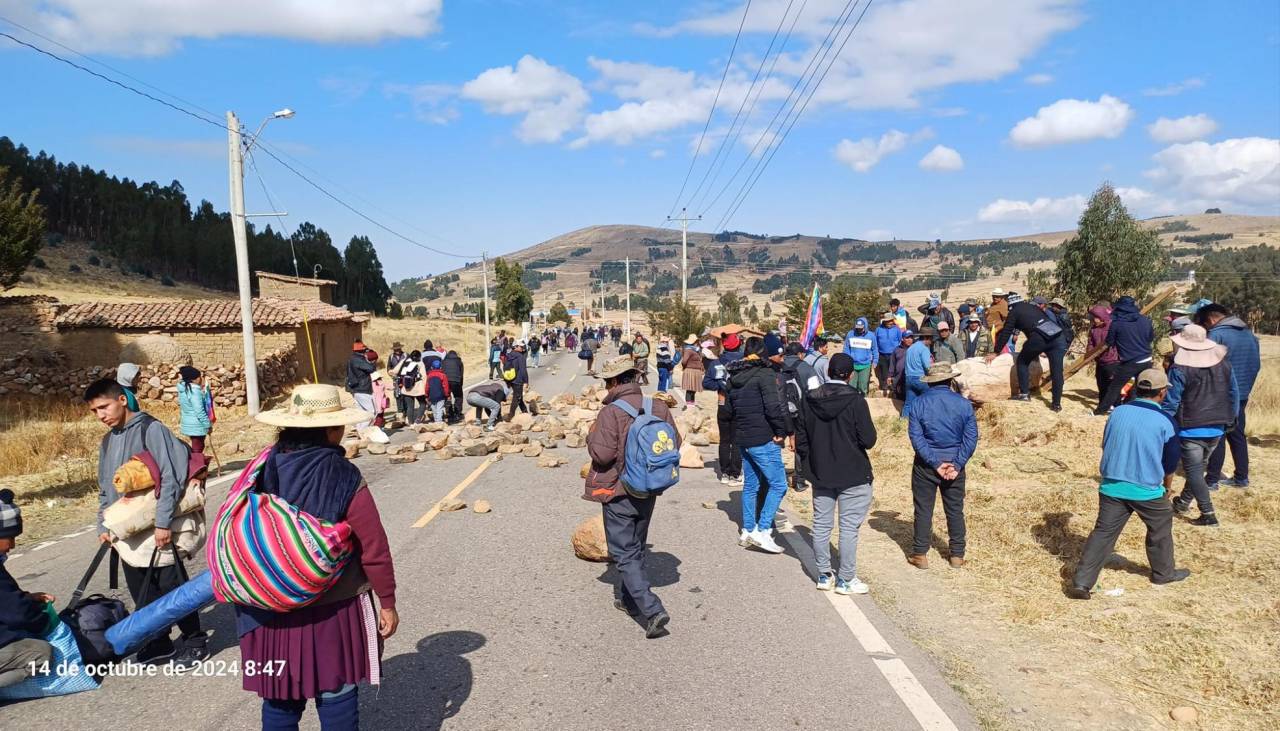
[(1092, 355)]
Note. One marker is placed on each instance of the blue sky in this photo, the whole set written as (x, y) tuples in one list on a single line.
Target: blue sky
[(495, 124)]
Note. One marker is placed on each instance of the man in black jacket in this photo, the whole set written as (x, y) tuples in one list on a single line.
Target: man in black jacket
[(1131, 334), (452, 367), (1043, 335), (760, 426), (833, 433)]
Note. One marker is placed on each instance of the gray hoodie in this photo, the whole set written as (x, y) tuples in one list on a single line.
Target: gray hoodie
[(170, 453)]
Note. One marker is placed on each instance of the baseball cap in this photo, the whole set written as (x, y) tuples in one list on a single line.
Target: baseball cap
[(772, 345), (908, 334), (1179, 323), (840, 366), (1039, 301), (887, 317), (1152, 379)]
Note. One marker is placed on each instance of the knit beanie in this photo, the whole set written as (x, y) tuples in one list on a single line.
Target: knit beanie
[(10, 515)]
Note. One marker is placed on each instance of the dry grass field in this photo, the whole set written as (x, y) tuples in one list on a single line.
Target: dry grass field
[(1003, 625)]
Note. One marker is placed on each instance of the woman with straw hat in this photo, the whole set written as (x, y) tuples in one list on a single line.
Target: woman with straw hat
[(1204, 400), (692, 370), (324, 649)]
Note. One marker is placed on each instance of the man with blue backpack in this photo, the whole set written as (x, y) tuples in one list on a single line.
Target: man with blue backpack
[(635, 456)]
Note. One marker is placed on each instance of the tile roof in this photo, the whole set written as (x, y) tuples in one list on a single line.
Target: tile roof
[(25, 299), (294, 280), (196, 314)]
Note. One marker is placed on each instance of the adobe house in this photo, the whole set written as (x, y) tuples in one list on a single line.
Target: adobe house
[(208, 331)]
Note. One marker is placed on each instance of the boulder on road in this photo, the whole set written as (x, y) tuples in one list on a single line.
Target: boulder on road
[(405, 458), (510, 449), (586, 469), (690, 457), (981, 382), (475, 448), (574, 441), (547, 460), (444, 454), (588, 540), (699, 439), (580, 415), (533, 450), (439, 441), (351, 448), (482, 506), (376, 448), (449, 505)]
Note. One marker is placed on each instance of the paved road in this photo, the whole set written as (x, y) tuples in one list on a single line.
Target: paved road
[(503, 628)]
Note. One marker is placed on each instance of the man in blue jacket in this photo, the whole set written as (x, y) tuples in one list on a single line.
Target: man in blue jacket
[(944, 435), (888, 335), (1131, 335), (860, 345), (1242, 350), (1140, 452), (919, 358)]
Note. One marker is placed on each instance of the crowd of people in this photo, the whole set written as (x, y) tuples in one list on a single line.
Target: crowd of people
[(776, 402)]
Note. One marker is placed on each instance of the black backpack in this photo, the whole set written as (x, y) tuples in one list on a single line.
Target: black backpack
[(792, 388), (90, 617), (410, 379)]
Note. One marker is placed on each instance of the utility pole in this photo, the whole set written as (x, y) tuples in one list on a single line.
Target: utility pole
[(628, 298), (484, 273), (684, 251), (241, 236)]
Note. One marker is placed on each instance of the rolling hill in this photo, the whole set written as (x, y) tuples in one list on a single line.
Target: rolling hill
[(762, 267)]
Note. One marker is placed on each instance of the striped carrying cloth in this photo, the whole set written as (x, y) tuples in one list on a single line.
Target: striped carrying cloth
[(264, 552)]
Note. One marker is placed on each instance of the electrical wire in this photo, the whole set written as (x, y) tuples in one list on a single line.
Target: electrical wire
[(752, 181), (268, 150), (711, 112)]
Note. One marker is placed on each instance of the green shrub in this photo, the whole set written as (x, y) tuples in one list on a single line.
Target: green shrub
[(74, 269), (38, 263)]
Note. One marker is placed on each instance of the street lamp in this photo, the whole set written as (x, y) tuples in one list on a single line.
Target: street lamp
[(240, 234)]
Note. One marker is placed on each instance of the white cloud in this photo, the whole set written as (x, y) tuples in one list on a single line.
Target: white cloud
[(1039, 79), (551, 99), (905, 49), (942, 159), (432, 103), (1243, 173), (1041, 210), (657, 154), (1175, 88), (866, 152), (1182, 129), (148, 28), (1073, 120)]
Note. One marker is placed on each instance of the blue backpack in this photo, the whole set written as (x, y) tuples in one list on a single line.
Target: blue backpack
[(651, 459)]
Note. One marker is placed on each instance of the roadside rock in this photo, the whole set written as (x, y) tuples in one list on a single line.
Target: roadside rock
[(575, 441), (495, 457), (444, 454), (352, 449), (522, 420), (452, 504), (419, 447), (1184, 714), (405, 458), (547, 460), (533, 450), (586, 469), (588, 540), (475, 448), (510, 449), (699, 439), (481, 506), (690, 457), (439, 441), (375, 448)]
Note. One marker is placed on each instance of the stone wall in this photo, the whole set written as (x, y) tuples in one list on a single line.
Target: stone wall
[(268, 287), (27, 314), (42, 372)]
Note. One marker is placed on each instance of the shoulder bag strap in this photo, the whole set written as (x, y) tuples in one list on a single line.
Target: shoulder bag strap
[(88, 575), (627, 408), (647, 405)]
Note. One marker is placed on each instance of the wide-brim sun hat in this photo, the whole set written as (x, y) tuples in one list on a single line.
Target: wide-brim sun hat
[(616, 367), (939, 372), (314, 405), (1195, 349)]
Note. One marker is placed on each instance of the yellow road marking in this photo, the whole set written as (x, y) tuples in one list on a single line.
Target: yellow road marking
[(466, 482)]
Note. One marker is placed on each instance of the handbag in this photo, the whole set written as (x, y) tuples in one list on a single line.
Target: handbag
[(1048, 329), (66, 669), (89, 618), (267, 553)]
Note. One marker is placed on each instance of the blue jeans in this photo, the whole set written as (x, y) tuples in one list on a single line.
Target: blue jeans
[(762, 467), (338, 711), (664, 379), (915, 387)]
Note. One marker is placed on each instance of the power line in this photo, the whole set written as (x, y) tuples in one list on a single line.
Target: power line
[(727, 142), (711, 112), (752, 182), (262, 146), (823, 48)]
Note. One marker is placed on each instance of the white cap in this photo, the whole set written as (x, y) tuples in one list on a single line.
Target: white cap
[(126, 373)]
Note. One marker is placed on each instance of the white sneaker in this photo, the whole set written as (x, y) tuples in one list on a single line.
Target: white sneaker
[(744, 538), (735, 481), (851, 587), (724, 480), (764, 541)]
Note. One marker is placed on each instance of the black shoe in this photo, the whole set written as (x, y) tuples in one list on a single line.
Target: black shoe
[(1206, 520), (657, 626), (156, 653), (195, 650), (1177, 575), (1079, 592), (1180, 507), (1021, 397), (1055, 407), (621, 606)]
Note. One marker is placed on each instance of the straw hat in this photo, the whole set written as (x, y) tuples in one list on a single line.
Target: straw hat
[(939, 372), (616, 367), (1195, 349), (314, 405)]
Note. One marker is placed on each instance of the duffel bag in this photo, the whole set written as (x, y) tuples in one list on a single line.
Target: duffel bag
[(89, 617)]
